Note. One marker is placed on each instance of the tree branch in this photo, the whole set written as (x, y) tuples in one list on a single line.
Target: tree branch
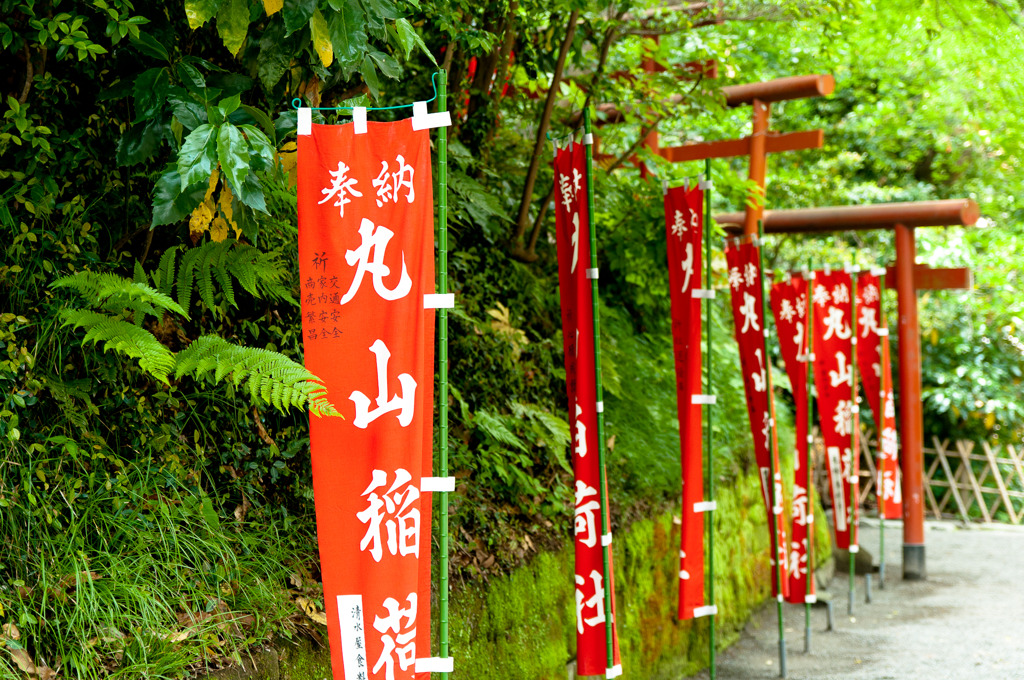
[(522, 222)]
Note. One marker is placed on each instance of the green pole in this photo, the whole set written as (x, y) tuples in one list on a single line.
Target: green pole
[(853, 439), (442, 287), (808, 459), (878, 427), (605, 522), (774, 518), (709, 435)]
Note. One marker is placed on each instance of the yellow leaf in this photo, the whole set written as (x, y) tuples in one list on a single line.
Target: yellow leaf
[(990, 421), (935, 337), (226, 208), (321, 38), (273, 6), (199, 222), (218, 229), (288, 157)]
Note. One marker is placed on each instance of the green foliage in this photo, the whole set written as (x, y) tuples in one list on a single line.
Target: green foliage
[(126, 338)]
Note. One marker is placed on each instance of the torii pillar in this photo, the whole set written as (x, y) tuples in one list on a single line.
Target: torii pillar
[(902, 218)]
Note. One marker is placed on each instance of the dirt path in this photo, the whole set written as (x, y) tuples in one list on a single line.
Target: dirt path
[(965, 622)]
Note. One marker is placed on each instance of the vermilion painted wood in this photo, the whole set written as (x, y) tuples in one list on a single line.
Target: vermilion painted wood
[(729, 148)]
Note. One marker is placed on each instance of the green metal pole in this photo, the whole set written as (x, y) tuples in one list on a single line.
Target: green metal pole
[(878, 433), (605, 521), (808, 458), (709, 528), (442, 287), (774, 517), (853, 440)]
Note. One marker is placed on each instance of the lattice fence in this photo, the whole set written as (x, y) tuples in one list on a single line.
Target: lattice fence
[(962, 479)]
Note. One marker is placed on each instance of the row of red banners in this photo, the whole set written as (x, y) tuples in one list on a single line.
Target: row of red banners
[(366, 255)]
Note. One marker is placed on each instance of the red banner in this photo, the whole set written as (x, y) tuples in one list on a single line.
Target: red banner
[(834, 329), (789, 305), (744, 261), (876, 376), (684, 229), (366, 259), (573, 240)]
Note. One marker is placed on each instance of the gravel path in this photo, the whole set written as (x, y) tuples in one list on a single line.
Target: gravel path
[(966, 621)]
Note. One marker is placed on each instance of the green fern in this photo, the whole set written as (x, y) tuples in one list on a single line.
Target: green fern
[(268, 376), (493, 426), (124, 337), (116, 293), (183, 270)]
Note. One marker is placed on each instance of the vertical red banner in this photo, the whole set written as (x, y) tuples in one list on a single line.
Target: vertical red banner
[(789, 306), (876, 376), (684, 231), (366, 259), (744, 261), (592, 583), (834, 329)]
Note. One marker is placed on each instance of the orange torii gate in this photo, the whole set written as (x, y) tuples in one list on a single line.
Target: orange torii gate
[(902, 218)]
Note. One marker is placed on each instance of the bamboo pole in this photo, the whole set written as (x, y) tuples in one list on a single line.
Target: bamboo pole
[(442, 288), (709, 434), (773, 501), (808, 459), (854, 451), (605, 519), (878, 433)]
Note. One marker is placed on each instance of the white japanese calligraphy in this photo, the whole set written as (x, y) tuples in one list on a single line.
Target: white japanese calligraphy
[(786, 311), (688, 266), (595, 601), (843, 418), (395, 510), (841, 294), (834, 324), (843, 376), (584, 514), (369, 257), (821, 296), (868, 321), (341, 186), (750, 274), (581, 433), (749, 313), (760, 377), (870, 293), (389, 184), (404, 402), (735, 278), (397, 638)]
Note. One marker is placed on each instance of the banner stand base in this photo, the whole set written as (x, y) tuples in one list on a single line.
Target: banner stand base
[(913, 562)]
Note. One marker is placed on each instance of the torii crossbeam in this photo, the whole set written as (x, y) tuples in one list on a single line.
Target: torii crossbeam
[(901, 218)]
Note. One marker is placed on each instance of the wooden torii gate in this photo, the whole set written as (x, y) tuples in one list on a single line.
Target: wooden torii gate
[(902, 218)]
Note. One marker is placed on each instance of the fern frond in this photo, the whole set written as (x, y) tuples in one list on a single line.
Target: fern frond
[(116, 293), (493, 427), (269, 377), (123, 337), (186, 276), (163, 277)]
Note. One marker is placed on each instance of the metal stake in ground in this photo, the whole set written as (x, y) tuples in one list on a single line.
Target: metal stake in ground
[(774, 515)]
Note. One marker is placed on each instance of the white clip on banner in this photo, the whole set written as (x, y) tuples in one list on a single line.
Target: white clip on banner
[(777, 509), (435, 664), (359, 120), (305, 121), (588, 139), (810, 439), (664, 188), (878, 271), (854, 549), (810, 519), (421, 120), (708, 610), (684, 575), (606, 539), (810, 599), (592, 273), (434, 484), (705, 184), (882, 332), (853, 341), (600, 407), (613, 672), (779, 597), (703, 294), (708, 399), (810, 275), (705, 506), (439, 301)]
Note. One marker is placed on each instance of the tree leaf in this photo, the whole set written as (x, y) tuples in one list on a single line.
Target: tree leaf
[(189, 113), (198, 155), (347, 34), (297, 14), (198, 12), (272, 6), (190, 77), (408, 38), (251, 193), (370, 76), (151, 90), (262, 119), (321, 39), (274, 58), (140, 142), (388, 65), (233, 154), (233, 24), (170, 203), (149, 46), (229, 105)]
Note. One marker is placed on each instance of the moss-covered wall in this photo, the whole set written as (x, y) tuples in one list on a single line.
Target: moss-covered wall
[(523, 627)]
